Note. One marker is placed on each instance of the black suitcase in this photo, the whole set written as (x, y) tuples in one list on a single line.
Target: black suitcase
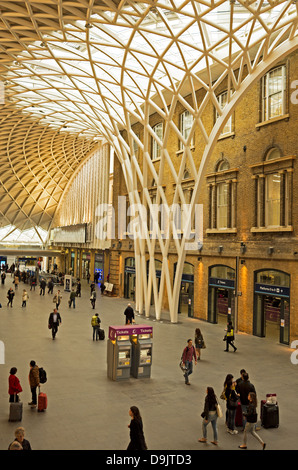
[(270, 415), (101, 334)]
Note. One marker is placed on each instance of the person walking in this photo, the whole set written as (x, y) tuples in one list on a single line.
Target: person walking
[(209, 415), (10, 296), (72, 298), (129, 315), (244, 388), (14, 386), (16, 281), (54, 322), (3, 277), (50, 286), (57, 299), (79, 288), (95, 322), (251, 420), (199, 342), (20, 439), (34, 382), (42, 286), (137, 439), (32, 282), (93, 298), (102, 288), (25, 297), (229, 337), (189, 353)]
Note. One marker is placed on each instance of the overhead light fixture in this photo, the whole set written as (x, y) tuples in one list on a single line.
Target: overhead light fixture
[(88, 25)]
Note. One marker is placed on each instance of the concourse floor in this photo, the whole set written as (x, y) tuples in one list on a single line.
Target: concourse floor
[(88, 411)]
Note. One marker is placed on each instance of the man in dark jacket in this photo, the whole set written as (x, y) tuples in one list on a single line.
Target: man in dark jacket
[(129, 314), (243, 389), (34, 382), (54, 322)]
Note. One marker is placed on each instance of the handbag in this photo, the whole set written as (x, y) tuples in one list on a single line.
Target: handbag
[(219, 410)]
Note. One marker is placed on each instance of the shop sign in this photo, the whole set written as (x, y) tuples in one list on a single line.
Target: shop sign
[(217, 282), (279, 291), (130, 269)]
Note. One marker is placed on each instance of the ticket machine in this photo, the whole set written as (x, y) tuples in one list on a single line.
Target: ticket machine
[(119, 353), (129, 351), (142, 353)]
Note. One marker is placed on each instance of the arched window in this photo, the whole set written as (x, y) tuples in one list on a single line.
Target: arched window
[(273, 178), (273, 154), (222, 198)]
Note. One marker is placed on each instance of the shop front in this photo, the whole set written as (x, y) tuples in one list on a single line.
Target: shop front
[(221, 294), (186, 297), (271, 316), (86, 259), (99, 267), (129, 278)]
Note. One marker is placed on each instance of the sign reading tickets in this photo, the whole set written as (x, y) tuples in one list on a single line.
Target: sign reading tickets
[(129, 330)]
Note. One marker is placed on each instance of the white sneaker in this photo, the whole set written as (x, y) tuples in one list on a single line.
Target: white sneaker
[(234, 432)]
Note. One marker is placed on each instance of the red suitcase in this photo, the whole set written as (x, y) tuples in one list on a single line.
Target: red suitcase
[(42, 402)]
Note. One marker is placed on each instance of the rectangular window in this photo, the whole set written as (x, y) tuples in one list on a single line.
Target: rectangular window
[(222, 205), (156, 148), (185, 124), (274, 93), (223, 99), (272, 209)]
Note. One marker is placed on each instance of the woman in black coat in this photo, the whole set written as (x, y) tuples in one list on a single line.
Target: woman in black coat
[(137, 439)]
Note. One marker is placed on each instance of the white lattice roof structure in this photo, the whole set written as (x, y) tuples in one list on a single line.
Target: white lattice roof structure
[(94, 68)]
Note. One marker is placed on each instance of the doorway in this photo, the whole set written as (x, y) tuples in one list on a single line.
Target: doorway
[(272, 306), (221, 294), (130, 279)]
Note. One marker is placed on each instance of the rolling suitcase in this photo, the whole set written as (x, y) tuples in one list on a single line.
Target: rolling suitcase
[(101, 334), (16, 411), (270, 415), (42, 401), (270, 398)]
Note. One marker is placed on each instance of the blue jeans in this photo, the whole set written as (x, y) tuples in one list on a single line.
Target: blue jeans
[(212, 418), (73, 301), (188, 365), (231, 419), (244, 410)]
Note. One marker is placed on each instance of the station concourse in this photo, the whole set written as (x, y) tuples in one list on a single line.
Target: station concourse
[(88, 411)]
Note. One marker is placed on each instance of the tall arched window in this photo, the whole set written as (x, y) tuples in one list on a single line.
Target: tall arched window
[(273, 192), (222, 198)]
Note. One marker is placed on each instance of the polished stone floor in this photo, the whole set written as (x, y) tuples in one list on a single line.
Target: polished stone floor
[(88, 411)]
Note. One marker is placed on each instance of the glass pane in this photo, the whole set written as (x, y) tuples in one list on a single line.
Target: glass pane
[(272, 277), (273, 200), (222, 205), (222, 272)]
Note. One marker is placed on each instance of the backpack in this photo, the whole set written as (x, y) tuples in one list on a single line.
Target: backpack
[(42, 375), (95, 321)]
